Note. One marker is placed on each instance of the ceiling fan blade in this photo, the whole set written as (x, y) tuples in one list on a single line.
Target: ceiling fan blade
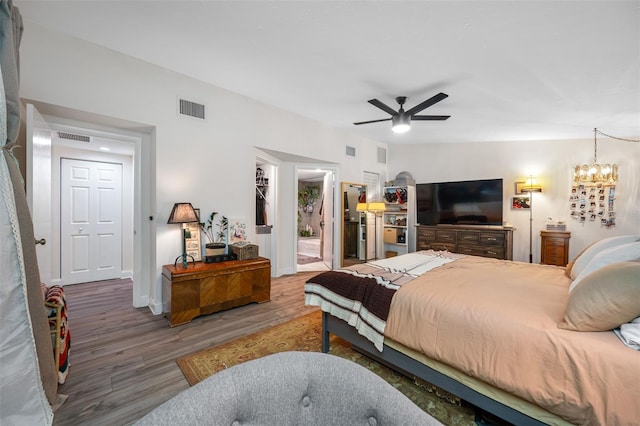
[(432, 100), (430, 117), (372, 121), (383, 107)]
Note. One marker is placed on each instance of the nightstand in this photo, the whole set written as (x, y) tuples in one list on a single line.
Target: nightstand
[(554, 247)]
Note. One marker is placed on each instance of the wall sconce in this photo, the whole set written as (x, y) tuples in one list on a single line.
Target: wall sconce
[(183, 213), (595, 172)]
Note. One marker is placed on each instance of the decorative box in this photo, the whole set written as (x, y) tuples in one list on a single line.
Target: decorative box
[(244, 252)]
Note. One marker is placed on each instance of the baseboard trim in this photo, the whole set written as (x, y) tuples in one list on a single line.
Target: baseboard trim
[(155, 306)]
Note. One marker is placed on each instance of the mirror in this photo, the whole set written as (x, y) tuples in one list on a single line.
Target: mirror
[(354, 224)]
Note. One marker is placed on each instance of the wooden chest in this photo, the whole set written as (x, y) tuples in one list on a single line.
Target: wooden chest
[(204, 288)]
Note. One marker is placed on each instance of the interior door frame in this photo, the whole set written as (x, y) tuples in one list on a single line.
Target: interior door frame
[(335, 246), (146, 292), (38, 176)]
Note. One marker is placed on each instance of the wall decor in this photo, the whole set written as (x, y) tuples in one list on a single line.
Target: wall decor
[(520, 203), (593, 203), (193, 243), (519, 186), (237, 230)]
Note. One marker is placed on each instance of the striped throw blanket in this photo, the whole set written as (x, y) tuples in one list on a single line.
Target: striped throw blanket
[(361, 294)]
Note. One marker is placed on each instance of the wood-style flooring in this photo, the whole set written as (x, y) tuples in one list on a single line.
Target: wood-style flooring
[(123, 358)]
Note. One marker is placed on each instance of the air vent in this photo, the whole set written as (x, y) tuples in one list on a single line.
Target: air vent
[(382, 155), (351, 151), (74, 137), (191, 109)]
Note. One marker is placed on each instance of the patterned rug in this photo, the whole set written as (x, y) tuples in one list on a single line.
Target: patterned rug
[(305, 334), (304, 259)]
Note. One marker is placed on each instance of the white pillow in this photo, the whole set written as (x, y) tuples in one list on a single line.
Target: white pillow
[(582, 260), (629, 252)]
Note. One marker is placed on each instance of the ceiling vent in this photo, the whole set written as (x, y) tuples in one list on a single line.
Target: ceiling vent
[(191, 109), (351, 151), (382, 155), (74, 137)]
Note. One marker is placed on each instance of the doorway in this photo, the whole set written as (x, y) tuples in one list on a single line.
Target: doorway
[(95, 138), (314, 242)]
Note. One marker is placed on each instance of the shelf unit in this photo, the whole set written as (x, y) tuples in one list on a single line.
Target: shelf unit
[(398, 220)]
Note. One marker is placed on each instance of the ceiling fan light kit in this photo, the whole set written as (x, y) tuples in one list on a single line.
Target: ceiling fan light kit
[(401, 119), (400, 123)]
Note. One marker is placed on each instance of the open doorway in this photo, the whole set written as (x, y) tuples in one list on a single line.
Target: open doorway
[(314, 243), (85, 138)]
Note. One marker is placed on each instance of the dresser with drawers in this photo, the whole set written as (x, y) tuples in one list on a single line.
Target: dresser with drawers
[(477, 240), (554, 247)]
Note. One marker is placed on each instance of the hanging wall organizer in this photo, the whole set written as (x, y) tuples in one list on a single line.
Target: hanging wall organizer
[(593, 191)]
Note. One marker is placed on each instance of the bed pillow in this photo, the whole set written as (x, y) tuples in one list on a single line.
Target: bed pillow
[(629, 252), (576, 266), (605, 299)]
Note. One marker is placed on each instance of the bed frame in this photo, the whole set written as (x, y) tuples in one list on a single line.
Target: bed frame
[(411, 367)]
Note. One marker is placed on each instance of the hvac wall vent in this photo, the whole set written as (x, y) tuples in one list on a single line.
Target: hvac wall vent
[(192, 109), (382, 155), (351, 151), (74, 137)]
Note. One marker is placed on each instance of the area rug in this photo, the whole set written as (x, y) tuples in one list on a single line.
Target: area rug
[(305, 334), (304, 259)]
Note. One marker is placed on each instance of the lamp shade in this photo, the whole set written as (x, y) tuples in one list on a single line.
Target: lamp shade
[(401, 123), (362, 207), (182, 213), (532, 185), (377, 206)]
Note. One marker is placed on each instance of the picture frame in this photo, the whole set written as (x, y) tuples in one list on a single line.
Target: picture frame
[(520, 203), (519, 186), (237, 230), (194, 242)]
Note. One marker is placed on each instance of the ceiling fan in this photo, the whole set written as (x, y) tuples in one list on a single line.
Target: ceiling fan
[(401, 119)]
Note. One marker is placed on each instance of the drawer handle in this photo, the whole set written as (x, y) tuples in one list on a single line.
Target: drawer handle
[(491, 252), (467, 250), (492, 239), (468, 238)]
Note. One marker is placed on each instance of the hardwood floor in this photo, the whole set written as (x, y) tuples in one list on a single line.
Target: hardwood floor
[(123, 358)]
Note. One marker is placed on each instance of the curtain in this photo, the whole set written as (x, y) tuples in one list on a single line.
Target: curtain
[(27, 369)]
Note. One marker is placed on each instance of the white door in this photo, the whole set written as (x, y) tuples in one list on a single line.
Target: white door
[(91, 221), (38, 178), (327, 219)]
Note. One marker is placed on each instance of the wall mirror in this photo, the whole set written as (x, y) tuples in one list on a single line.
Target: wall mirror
[(354, 223)]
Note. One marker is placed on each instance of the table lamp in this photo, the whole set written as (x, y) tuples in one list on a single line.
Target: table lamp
[(183, 213)]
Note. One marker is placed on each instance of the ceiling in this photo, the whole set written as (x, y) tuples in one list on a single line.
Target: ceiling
[(513, 70)]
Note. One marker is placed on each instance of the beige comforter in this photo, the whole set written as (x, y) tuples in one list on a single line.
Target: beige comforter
[(497, 321)]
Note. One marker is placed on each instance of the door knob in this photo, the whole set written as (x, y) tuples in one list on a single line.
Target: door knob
[(41, 241)]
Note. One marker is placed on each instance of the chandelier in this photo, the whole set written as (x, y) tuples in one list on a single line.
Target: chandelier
[(595, 172)]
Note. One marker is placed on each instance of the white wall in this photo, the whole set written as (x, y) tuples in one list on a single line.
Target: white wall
[(210, 164), (552, 162)]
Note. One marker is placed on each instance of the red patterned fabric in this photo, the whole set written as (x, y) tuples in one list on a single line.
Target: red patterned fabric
[(55, 295)]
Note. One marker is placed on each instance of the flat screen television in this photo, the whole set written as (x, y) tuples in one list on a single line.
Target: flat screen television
[(471, 202)]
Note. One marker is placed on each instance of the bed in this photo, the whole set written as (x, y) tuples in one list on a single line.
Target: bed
[(501, 335)]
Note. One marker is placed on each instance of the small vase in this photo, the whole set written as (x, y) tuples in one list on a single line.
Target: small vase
[(215, 249)]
